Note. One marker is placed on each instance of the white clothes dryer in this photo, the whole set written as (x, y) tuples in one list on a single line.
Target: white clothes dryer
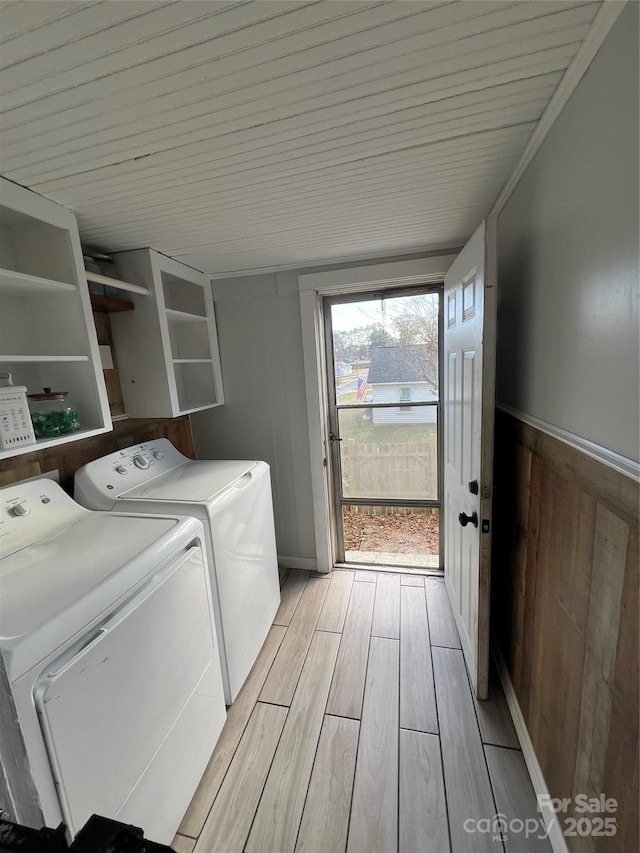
[(109, 644), (233, 501)]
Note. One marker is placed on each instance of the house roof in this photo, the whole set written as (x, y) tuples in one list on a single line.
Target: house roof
[(399, 364)]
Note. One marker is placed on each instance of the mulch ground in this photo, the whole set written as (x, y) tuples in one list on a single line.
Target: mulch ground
[(399, 534)]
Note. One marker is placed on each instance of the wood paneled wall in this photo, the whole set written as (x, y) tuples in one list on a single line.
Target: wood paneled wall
[(565, 613), (67, 458)]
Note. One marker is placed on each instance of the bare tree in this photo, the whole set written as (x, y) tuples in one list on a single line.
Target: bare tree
[(415, 325)]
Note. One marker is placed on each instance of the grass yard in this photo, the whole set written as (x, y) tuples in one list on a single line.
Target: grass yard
[(364, 432)]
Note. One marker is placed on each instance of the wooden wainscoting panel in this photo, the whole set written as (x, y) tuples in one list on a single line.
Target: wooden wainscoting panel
[(67, 458), (621, 761), (607, 581), (566, 617)]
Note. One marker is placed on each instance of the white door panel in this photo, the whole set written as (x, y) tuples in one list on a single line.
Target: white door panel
[(469, 344)]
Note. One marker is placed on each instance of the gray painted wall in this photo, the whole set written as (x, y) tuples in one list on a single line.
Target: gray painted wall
[(264, 415), (568, 261)]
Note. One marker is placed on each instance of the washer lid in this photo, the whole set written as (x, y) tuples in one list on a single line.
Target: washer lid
[(54, 588), (193, 482)]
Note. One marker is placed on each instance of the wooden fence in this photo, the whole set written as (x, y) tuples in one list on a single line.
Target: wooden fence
[(403, 470)]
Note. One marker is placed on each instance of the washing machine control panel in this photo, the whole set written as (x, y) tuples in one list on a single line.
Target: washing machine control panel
[(29, 511), (99, 483)]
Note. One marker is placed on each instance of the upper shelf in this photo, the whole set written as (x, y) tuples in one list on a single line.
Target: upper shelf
[(184, 316), (23, 284), (109, 304), (115, 282)]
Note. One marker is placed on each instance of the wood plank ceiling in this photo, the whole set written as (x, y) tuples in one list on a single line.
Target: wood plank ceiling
[(251, 135)]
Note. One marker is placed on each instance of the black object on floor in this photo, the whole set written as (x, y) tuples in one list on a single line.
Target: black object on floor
[(21, 839), (102, 835), (98, 835)]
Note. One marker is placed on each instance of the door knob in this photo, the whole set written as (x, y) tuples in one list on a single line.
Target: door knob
[(465, 519)]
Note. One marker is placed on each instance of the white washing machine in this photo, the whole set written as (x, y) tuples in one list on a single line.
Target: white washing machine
[(233, 500), (109, 643)]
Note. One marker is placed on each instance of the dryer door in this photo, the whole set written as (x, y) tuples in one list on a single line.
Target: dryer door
[(132, 717)]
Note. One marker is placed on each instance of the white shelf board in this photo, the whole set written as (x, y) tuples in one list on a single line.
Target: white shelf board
[(43, 443), (192, 361), (184, 316), (36, 359), (201, 408), (22, 284), (115, 282)]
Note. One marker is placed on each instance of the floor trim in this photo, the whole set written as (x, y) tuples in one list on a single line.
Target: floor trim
[(306, 563), (556, 837)]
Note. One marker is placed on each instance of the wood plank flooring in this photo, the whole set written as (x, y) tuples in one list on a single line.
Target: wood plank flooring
[(357, 732)]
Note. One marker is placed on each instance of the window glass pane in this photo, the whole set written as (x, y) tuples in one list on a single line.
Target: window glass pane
[(389, 453), (391, 536), (383, 345)]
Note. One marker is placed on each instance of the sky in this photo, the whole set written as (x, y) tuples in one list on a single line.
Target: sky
[(353, 314)]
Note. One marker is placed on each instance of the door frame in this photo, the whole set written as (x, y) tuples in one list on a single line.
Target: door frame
[(429, 269), (331, 410)]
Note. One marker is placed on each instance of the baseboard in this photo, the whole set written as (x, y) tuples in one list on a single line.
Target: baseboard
[(556, 837), (306, 563)]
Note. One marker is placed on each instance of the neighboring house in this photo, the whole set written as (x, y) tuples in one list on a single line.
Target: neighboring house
[(343, 369), (398, 374)]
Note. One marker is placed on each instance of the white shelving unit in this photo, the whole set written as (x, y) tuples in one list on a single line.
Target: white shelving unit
[(47, 335), (167, 348)]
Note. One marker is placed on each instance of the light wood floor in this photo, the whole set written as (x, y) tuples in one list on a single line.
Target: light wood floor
[(357, 731)]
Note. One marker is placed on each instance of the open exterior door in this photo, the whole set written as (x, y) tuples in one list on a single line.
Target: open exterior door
[(468, 403)]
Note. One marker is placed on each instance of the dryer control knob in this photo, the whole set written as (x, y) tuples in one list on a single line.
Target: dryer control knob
[(157, 454), (140, 461), (20, 509), (121, 469)]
